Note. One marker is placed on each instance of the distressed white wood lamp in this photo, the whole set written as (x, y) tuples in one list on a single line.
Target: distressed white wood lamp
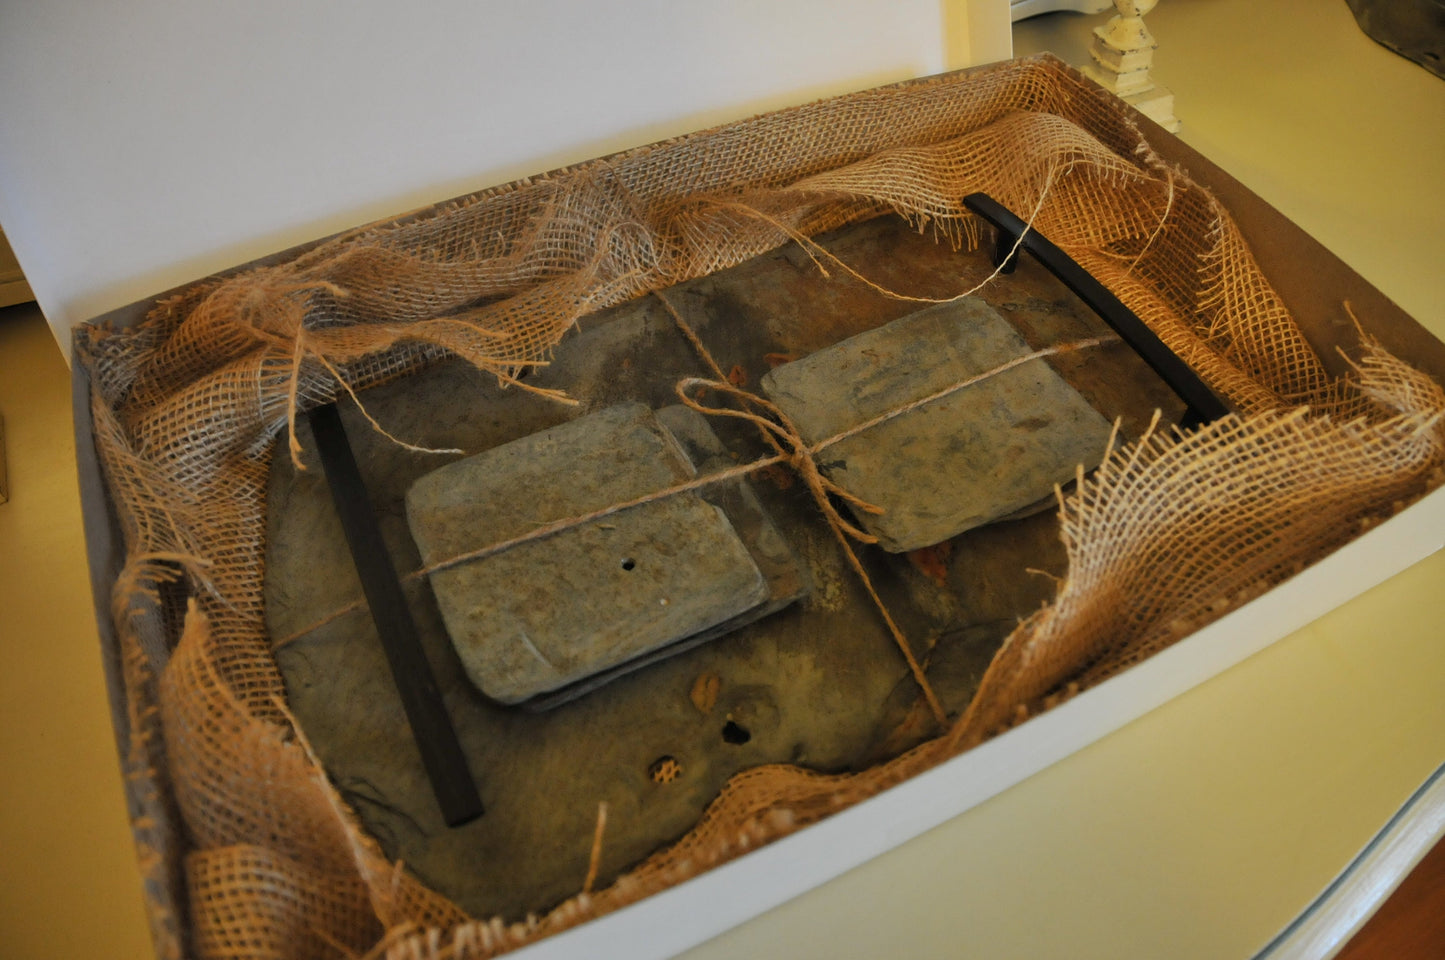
[(1123, 52)]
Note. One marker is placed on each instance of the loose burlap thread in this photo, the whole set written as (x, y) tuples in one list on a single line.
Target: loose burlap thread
[(246, 848)]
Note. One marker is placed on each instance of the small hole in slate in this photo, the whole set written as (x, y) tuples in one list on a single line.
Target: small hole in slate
[(736, 733), (629, 564), (664, 769)]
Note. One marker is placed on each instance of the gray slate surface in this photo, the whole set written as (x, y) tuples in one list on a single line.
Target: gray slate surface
[(547, 613), (972, 457), (818, 684)]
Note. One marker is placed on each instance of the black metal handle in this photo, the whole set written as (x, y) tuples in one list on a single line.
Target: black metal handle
[(1203, 405), (431, 726)]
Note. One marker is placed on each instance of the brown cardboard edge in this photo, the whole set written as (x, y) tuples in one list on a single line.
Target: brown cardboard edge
[(102, 543), (1312, 282)]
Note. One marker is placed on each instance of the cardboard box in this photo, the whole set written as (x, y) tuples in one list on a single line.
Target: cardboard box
[(1310, 280)]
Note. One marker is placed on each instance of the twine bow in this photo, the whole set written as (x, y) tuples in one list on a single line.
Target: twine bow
[(785, 439), (783, 436), (792, 449)]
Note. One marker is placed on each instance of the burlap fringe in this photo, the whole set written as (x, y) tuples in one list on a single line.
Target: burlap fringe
[(1171, 533)]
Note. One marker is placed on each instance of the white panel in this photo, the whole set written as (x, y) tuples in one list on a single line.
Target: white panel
[(146, 143)]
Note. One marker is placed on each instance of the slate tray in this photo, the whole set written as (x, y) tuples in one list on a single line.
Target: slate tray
[(819, 684)]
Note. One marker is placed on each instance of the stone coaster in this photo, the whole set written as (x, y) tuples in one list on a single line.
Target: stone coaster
[(548, 613), (975, 456)]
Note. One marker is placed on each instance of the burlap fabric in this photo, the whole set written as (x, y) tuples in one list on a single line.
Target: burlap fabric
[(1169, 534)]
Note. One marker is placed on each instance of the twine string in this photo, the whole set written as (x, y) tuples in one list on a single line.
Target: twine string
[(594, 859), (785, 438), (782, 435), (820, 254), (793, 449)]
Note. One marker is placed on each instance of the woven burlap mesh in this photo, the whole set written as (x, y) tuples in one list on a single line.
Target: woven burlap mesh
[(1170, 533)]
